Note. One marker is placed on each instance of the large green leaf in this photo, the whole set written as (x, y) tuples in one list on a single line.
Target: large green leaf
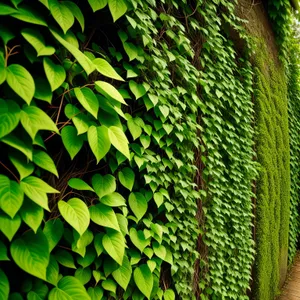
[(9, 226), (72, 142), (32, 214), (37, 41), (126, 177), (113, 199), (138, 204), (76, 213), (123, 274), (21, 82), (117, 8), (34, 119), (119, 140), (69, 288), (79, 184), (103, 67), (83, 60), (4, 283), (24, 167), (114, 245), (55, 74), (62, 14), (44, 161), (31, 253), (76, 12), (11, 196), (103, 185), (53, 231), (97, 4), (99, 141), (36, 189), (104, 216), (9, 116), (109, 91), (88, 100), (52, 272), (143, 279), (29, 15)]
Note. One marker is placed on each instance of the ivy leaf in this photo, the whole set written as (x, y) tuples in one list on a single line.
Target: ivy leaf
[(103, 185), (79, 184), (84, 275), (32, 214), (68, 288), (159, 250), (134, 128), (72, 142), (109, 91), (114, 245), (53, 230), (95, 293), (62, 14), (138, 239), (31, 253), (130, 50), (104, 216), (9, 116), (117, 8), (76, 12), (97, 4), (123, 274), (138, 204), (4, 283), (103, 67), (55, 74), (158, 198), (21, 82), (126, 177), (113, 199), (36, 40), (44, 161), (11, 196), (138, 90), (34, 119), (119, 140), (99, 141), (76, 213), (88, 100), (143, 279), (9, 226)]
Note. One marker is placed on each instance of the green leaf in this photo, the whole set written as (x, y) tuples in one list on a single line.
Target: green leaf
[(88, 259), (72, 142), (138, 239), (145, 140), (117, 8), (21, 82), (36, 189), (32, 214), (6, 10), (9, 226), (11, 196), (76, 12), (79, 184), (131, 50), (3, 254), (119, 140), (42, 89), (97, 4), (169, 295), (103, 185), (123, 274), (143, 279), (9, 116), (68, 288), (84, 275), (159, 250), (52, 272), (29, 15), (53, 230), (99, 141), (44, 161), (83, 60), (126, 177), (34, 119), (4, 283), (103, 67), (104, 216), (113, 199), (95, 293), (65, 259), (138, 204), (114, 245), (88, 100), (98, 243), (137, 89), (62, 14), (55, 74), (158, 198), (76, 213), (109, 285), (80, 120), (3, 71), (109, 91), (134, 128), (31, 253), (5, 34), (36, 40)]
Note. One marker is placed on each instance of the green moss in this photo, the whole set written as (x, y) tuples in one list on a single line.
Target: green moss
[(273, 185)]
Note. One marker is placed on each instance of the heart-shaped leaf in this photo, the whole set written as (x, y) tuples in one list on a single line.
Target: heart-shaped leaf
[(117, 8), (55, 74), (119, 140), (53, 231), (138, 204), (103, 185), (114, 245), (123, 274), (126, 177), (143, 279), (134, 128), (137, 89), (138, 239), (72, 142), (32, 214), (9, 116), (9, 226), (97, 4)]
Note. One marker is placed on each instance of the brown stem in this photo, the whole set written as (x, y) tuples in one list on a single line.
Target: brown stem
[(10, 171)]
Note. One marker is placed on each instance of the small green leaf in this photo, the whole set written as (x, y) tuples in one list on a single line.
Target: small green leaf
[(103, 185), (131, 50), (76, 12), (143, 279), (72, 142), (53, 231), (145, 140), (113, 199), (103, 67), (55, 74), (76, 213), (3, 255), (32, 214), (21, 82), (31, 253), (4, 283), (44, 161), (159, 250), (119, 140), (138, 239), (84, 275), (29, 15), (9, 116), (117, 8), (79, 184), (169, 295), (9, 226), (97, 4), (126, 177), (88, 100), (137, 89), (109, 91), (65, 259), (80, 120), (123, 274), (158, 198), (97, 292), (114, 245), (134, 128), (109, 285), (138, 204)]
